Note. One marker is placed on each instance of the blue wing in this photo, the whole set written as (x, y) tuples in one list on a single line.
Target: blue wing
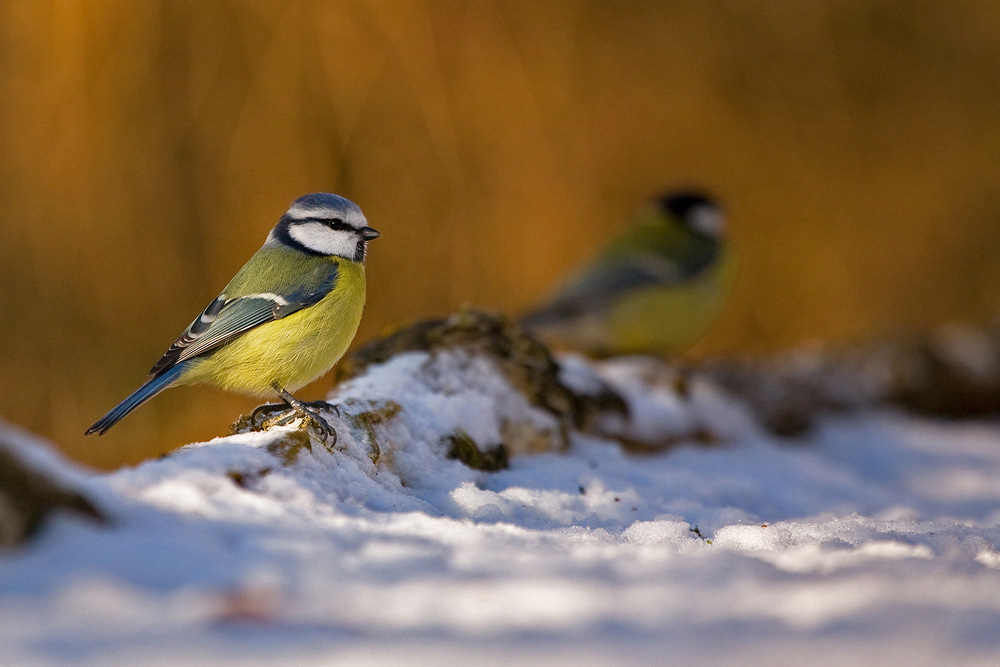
[(226, 319)]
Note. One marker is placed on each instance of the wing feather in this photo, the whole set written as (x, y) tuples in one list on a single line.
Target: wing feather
[(226, 319), (597, 287)]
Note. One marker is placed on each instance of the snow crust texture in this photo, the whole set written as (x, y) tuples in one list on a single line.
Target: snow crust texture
[(875, 538)]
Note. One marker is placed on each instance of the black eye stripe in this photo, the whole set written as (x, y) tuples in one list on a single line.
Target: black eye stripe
[(336, 224)]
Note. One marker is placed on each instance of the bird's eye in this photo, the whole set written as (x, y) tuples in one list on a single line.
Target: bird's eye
[(336, 224)]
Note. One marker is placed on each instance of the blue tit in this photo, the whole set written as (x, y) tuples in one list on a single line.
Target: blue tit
[(286, 317), (652, 290)]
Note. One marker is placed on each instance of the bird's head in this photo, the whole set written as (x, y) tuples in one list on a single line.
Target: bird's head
[(695, 212), (324, 224)]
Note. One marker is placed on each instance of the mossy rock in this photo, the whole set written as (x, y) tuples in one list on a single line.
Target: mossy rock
[(522, 358), (462, 447), (28, 497)]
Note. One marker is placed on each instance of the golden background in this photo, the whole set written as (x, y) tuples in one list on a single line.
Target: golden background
[(146, 148)]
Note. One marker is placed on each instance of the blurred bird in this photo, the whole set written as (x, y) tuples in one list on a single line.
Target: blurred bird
[(283, 321), (652, 290)]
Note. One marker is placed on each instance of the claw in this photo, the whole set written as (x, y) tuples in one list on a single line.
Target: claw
[(306, 411), (281, 414), (260, 416)]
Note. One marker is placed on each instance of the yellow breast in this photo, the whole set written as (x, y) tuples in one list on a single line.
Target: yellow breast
[(668, 320), (292, 351)]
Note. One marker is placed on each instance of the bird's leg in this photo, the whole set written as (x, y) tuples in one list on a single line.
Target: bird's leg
[(322, 405), (300, 409)]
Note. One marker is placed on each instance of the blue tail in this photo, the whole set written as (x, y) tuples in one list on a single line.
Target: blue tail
[(137, 398)]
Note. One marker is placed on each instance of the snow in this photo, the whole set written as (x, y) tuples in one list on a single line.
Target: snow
[(875, 539)]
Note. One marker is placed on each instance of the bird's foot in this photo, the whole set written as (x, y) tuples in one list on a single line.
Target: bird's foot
[(282, 414), (260, 417)]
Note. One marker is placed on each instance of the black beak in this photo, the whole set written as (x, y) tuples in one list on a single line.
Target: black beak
[(367, 233)]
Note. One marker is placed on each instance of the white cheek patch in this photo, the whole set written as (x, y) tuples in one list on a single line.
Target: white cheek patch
[(708, 220), (319, 238)]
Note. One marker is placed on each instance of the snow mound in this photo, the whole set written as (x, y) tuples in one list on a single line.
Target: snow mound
[(876, 535)]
